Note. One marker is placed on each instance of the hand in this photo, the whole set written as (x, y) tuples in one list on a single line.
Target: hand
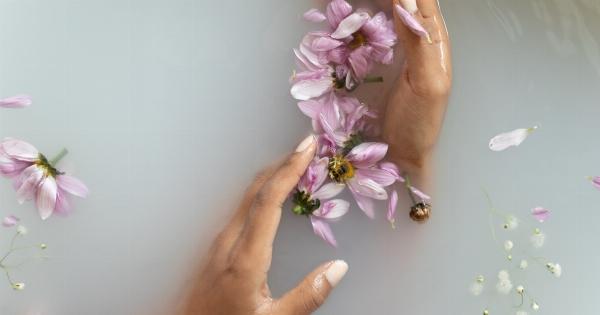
[(417, 104), (235, 279)]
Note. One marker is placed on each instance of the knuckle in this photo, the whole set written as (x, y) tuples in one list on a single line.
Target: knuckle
[(438, 86), (262, 198), (312, 300)]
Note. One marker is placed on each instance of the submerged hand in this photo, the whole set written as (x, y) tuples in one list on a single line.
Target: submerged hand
[(417, 104), (235, 280)]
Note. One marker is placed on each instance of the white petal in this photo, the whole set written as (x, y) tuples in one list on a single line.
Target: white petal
[(307, 89), (513, 138), (328, 191), (350, 25), (333, 209)]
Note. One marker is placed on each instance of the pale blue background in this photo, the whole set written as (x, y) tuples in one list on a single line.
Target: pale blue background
[(170, 106)]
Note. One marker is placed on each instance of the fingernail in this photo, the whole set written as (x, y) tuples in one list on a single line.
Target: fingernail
[(409, 5), (335, 272), (305, 144)]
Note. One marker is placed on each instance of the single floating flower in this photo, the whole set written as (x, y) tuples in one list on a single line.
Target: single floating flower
[(555, 269), (538, 238), (18, 101), (504, 285), (508, 245), (541, 214), (513, 138), (35, 177), (10, 221), (476, 287)]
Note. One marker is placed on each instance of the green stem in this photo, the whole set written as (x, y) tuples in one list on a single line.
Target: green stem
[(373, 80), (59, 157), (408, 190)]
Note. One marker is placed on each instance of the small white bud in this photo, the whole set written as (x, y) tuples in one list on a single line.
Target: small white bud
[(520, 289), (21, 230), (535, 306), (508, 245), (524, 264)]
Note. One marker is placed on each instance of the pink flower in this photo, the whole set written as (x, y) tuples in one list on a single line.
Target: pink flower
[(10, 221), (312, 199), (355, 39), (18, 101), (595, 181), (541, 214), (35, 178)]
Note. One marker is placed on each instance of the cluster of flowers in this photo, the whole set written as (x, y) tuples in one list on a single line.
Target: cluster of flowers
[(332, 63), (34, 177)]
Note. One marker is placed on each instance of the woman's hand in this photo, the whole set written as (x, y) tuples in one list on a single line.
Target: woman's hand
[(235, 279), (417, 104)]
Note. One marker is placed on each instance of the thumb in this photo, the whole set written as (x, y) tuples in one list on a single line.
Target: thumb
[(312, 292)]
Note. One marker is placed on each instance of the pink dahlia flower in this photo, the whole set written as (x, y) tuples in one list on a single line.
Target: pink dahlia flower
[(312, 199), (354, 39), (18, 101), (36, 178)]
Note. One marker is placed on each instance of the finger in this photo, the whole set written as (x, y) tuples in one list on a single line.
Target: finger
[(312, 292), (256, 242), (428, 64)]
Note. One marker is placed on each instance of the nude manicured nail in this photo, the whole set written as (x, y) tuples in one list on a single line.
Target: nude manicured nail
[(306, 143), (335, 272)]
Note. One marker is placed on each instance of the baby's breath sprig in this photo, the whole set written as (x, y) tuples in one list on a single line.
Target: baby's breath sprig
[(20, 232)]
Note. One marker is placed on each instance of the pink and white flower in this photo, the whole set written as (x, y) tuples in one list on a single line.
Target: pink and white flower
[(312, 198), (36, 178), (18, 101)]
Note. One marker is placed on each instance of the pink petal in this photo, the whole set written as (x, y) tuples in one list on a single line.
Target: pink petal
[(411, 22), (364, 203), (308, 89), (350, 25), (314, 15), (328, 191), (392, 205), (29, 182), (337, 136), (541, 214), (332, 209), (10, 221), (337, 10), (513, 138), (325, 44), (382, 177), (359, 61), (596, 182), (63, 206), (72, 185), (367, 187), (367, 154), (19, 150), (314, 176), (311, 108), (46, 197), (392, 169), (419, 193), (323, 230), (18, 101)]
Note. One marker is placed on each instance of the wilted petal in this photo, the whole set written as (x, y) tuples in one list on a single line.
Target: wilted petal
[(314, 15), (10, 221), (18, 101), (350, 25), (72, 185), (328, 191), (419, 193), (541, 214), (506, 140), (323, 230), (367, 154), (19, 150), (382, 177), (392, 205), (308, 89), (332, 209), (411, 22), (46, 197)]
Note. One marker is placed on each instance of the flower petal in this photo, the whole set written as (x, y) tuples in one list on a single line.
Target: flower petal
[(18, 101), (19, 150), (364, 203), (323, 230), (393, 169), (336, 11), (332, 209), (350, 25), (72, 185), (596, 181), (411, 22), (328, 191), (419, 193), (506, 140), (367, 154), (325, 44), (367, 187), (63, 206), (10, 221), (541, 214), (314, 15), (382, 177), (29, 182), (46, 197), (311, 108), (308, 89), (392, 205)]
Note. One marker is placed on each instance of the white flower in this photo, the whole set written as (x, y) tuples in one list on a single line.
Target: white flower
[(535, 306), (476, 288), (524, 264), (555, 269), (511, 222), (521, 313), (508, 245), (513, 138), (520, 289), (503, 275), (504, 285), (538, 238), (21, 230), (19, 286)]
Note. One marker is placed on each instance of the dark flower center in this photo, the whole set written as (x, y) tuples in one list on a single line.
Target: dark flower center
[(340, 169), (49, 170), (358, 39), (303, 204), (353, 141)]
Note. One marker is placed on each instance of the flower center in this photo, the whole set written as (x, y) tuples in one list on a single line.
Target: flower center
[(340, 169), (358, 39), (49, 170), (303, 204)]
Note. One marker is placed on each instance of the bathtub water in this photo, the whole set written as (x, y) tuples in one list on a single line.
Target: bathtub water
[(170, 106)]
